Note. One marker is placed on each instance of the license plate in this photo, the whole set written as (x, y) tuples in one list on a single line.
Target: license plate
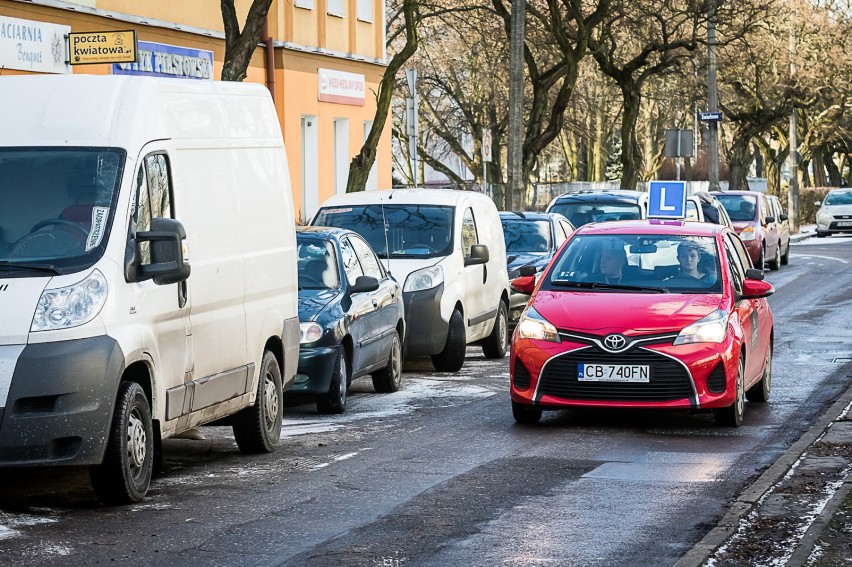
[(844, 223), (613, 373)]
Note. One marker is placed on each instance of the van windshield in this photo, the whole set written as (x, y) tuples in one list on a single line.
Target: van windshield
[(413, 231), (56, 206), (585, 212)]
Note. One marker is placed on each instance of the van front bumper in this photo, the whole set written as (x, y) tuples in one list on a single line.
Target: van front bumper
[(60, 402), (426, 330)]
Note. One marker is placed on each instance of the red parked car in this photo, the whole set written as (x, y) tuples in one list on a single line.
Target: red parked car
[(759, 228), (644, 314)]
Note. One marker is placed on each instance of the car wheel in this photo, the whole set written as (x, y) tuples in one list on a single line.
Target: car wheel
[(389, 379), (451, 359), (761, 260), (732, 416), (334, 401), (821, 234), (526, 413), (760, 391), (785, 257), (257, 429), (125, 473), (775, 262), (497, 343)]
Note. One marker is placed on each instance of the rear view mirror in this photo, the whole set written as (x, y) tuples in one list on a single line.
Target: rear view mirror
[(818, 203), (478, 255), (769, 220), (363, 284), (783, 217), (523, 284), (755, 289), (527, 270), (754, 274), (168, 264)]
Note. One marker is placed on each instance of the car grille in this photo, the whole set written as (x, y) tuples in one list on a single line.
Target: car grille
[(521, 376), (716, 380), (669, 379)]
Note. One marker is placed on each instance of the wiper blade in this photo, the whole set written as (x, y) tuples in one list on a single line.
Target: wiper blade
[(29, 266), (602, 285)]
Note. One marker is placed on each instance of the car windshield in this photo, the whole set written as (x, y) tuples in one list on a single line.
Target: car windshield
[(739, 207), (637, 263), (317, 264), (585, 212), (413, 231), (839, 198), (526, 235), (56, 206)]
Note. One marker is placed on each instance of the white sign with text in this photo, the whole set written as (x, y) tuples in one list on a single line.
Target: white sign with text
[(27, 45)]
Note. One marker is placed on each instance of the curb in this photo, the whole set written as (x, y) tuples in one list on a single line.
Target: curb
[(801, 236), (752, 495)]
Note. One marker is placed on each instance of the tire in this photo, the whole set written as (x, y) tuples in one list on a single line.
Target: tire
[(761, 260), (732, 416), (334, 401), (760, 392), (125, 473), (525, 413), (389, 379), (257, 429), (821, 234), (785, 257), (451, 359), (497, 343), (775, 262)]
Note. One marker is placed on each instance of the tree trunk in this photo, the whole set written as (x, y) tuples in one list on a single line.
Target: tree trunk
[(805, 170), (631, 153), (819, 169), (239, 46), (833, 170), (759, 168), (739, 159)]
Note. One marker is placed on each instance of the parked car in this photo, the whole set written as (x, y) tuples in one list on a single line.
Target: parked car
[(835, 213), (584, 207), (351, 317), (531, 241), (752, 217), (783, 224), (447, 247), (645, 314), (703, 206)]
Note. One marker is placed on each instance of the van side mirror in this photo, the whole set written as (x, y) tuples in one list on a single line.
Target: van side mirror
[(168, 264), (364, 283), (478, 255)]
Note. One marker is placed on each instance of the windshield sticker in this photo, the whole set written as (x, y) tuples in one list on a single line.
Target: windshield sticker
[(336, 211), (99, 215)]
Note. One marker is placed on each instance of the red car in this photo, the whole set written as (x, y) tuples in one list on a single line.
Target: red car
[(757, 225), (644, 314)]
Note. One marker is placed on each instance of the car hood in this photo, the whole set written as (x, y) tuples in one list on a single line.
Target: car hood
[(537, 259), (18, 302), (627, 313), (838, 209), (312, 301), (401, 267)]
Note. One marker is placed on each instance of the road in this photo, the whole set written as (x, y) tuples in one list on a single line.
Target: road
[(439, 474)]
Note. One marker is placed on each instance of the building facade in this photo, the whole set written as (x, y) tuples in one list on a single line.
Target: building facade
[(328, 57)]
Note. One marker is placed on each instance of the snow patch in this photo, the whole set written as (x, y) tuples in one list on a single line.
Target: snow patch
[(6, 533)]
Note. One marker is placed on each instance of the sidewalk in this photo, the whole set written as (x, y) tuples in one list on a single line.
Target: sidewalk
[(799, 511), (805, 231)]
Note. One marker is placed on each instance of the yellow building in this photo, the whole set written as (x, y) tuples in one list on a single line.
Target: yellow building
[(327, 59)]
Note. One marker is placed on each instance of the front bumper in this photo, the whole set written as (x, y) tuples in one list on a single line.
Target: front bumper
[(833, 226), (426, 330), (315, 367), (60, 403)]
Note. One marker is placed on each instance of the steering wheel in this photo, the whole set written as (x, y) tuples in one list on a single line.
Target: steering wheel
[(48, 239)]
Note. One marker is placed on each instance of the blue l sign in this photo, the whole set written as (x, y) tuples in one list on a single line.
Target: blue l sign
[(667, 200)]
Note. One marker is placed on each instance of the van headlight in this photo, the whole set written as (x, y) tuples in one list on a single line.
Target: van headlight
[(309, 333), (427, 278), (747, 233), (710, 329), (533, 326), (72, 306)]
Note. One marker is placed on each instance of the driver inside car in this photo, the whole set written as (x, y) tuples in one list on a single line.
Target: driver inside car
[(688, 257)]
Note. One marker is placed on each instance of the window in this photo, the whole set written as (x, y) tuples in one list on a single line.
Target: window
[(469, 237), (152, 198), (335, 8), (369, 262), (365, 10), (307, 4), (350, 261)]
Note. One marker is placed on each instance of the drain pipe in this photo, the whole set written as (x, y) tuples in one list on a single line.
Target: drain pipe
[(270, 58)]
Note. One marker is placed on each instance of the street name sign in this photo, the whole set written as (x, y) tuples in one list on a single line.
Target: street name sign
[(710, 116)]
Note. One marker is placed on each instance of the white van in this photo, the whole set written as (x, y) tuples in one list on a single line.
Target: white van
[(147, 271), (447, 247)]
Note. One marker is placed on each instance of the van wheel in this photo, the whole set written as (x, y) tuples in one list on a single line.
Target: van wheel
[(389, 379), (732, 416), (334, 401), (775, 262), (785, 257), (496, 344), (257, 429), (451, 359), (125, 473), (760, 391), (526, 413)]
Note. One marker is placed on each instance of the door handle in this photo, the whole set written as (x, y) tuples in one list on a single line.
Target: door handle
[(375, 303)]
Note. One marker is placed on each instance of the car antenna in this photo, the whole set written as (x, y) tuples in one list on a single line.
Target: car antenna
[(385, 226)]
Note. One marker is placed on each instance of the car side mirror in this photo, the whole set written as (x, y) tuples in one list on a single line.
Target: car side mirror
[(168, 263), (783, 217), (478, 255), (769, 220), (523, 284), (818, 203), (754, 274), (363, 284), (755, 289), (527, 270)]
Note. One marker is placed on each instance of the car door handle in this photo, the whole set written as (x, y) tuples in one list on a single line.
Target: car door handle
[(375, 303)]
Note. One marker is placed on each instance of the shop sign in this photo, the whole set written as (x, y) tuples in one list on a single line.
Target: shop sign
[(92, 47), (341, 87), (162, 60), (26, 45)]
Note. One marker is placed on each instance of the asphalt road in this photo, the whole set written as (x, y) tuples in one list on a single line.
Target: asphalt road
[(439, 473)]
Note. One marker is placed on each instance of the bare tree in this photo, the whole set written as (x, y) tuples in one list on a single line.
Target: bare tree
[(240, 45)]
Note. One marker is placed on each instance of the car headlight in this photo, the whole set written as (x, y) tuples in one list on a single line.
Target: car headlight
[(71, 306), (710, 329), (427, 278), (533, 326), (309, 333), (747, 233), (823, 216)]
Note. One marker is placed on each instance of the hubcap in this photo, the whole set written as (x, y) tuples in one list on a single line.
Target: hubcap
[(740, 391), (136, 441), (767, 375), (503, 328), (396, 362), (271, 398), (341, 379)]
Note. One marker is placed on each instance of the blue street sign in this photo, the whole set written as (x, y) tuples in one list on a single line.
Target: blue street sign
[(710, 116), (667, 200)]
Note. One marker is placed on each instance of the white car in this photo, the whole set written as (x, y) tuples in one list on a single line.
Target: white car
[(835, 213)]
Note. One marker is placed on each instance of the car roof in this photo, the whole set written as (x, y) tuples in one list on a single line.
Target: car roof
[(448, 197), (530, 215), (753, 193), (652, 226), (321, 232)]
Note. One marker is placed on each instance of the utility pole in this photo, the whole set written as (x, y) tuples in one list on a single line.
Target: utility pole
[(516, 103), (712, 97), (411, 121), (793, 157)]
